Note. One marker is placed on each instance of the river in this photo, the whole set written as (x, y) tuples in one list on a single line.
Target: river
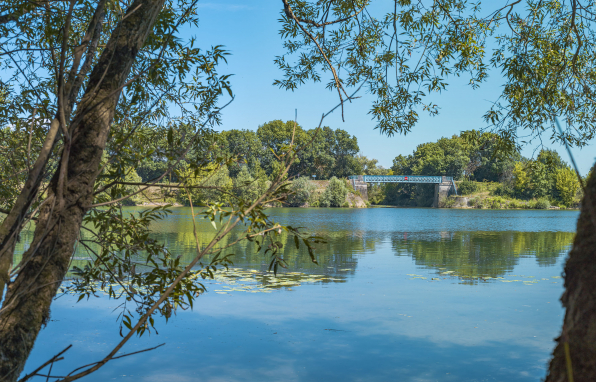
[(398, 295)]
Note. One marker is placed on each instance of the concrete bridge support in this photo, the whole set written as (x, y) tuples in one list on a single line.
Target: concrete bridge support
[(442, 191), (361, 186)]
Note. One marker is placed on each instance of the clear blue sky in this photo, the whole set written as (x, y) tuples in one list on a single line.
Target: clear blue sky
[(249, 30)]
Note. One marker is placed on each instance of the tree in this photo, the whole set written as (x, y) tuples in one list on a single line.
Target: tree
[(247, 187), (209, 185), (335, 193), (344, 149), (369, 166), (106, 75), (490, 160), (246, 145), (275, 136), (405, 52), (302, 190), (566, 184), (520, 178)]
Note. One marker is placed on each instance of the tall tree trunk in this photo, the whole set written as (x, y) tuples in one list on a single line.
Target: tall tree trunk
[(579, 327), (27, 302)]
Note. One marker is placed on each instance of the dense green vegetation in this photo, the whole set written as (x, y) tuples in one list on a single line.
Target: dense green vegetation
[(483, 169), (330, 152), (249, 163), (491, 176)]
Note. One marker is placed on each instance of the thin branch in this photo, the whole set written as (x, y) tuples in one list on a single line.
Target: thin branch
[(338, 84), (321, 25), (51, 360)]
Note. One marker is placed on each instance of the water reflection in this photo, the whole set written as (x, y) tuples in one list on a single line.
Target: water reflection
[(475, 255), (385, 303), (470, 254)]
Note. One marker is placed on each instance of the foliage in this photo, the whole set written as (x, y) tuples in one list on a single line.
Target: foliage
[(335, 193), (301, 191), (567, 184), (331, 152), (248, 188), (503, 189), (540, 204), (467, 187), (208, 185), (370, 167), (404, 52)]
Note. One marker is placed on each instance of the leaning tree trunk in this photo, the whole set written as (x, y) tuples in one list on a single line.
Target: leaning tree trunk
[(27, 302), (579, 327)]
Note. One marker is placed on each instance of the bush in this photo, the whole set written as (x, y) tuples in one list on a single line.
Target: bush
[(503, 190), (467, 187), (324, 200), (449, 202), (335, 194), (302, 189), (494, 203), (542, 204)]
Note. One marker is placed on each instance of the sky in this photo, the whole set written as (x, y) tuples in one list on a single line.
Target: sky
[(249, 30)]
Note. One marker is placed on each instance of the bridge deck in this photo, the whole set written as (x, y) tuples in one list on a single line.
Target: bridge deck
[(401, 178)]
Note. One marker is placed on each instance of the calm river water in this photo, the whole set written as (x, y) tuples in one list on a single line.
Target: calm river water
[(398, 295)]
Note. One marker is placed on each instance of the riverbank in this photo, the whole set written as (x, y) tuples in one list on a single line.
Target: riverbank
[(488, 195), (164, 195)]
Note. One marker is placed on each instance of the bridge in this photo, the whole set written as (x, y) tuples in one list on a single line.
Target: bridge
[(444, 185)]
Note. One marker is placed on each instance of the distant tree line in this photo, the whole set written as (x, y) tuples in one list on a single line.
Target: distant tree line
[(473, 157), (329, 153), (248, 161)]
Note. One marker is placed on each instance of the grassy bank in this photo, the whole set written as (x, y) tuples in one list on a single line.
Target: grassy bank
[(156, 195), (488, 195)]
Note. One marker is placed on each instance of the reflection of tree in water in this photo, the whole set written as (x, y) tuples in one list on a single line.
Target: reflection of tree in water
[(339, 252), (466, 254), (481, 254)]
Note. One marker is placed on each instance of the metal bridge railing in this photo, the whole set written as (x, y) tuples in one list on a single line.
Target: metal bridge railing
[(402, 178)]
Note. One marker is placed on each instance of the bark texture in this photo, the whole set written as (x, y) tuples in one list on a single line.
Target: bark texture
[(579, 300), (26, 306)]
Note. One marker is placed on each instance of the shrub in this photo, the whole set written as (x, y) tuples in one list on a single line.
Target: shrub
[(467, 187), (324, 200), (301, 191), (542, 204), (335, 194), (503, 190), (494, 203), (449, 202)]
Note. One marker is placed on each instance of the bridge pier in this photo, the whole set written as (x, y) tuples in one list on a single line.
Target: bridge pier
[(442, 191), (361, 186)]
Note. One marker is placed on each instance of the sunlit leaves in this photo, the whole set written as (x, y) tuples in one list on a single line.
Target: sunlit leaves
[(408, 50)]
